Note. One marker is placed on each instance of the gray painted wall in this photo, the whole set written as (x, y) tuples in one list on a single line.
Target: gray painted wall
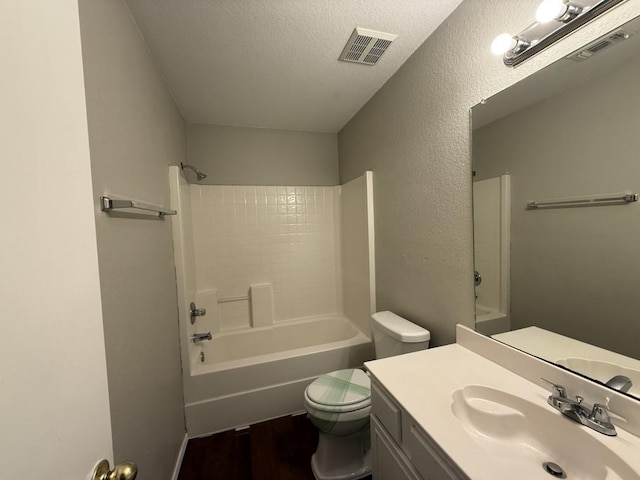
[(261, 156), (135, 131), (573, 270), (414, 134)]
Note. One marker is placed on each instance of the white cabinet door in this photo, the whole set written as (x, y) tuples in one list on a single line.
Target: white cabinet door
[(389, 463), (426, 458)]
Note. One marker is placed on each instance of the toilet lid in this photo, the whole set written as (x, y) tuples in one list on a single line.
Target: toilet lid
[(340, 388)]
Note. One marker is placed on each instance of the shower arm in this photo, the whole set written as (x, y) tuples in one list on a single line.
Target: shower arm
[(199, 174)]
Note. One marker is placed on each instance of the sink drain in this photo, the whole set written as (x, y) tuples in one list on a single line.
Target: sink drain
[(554, 469)]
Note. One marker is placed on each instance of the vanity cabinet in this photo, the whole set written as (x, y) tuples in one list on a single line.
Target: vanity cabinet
[(389, 462), (401, 450)]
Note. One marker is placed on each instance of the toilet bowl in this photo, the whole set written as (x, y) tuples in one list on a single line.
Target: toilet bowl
[(338, 403)]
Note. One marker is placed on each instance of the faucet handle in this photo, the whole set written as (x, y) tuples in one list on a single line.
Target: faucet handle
[(602, 413), (558, 390)]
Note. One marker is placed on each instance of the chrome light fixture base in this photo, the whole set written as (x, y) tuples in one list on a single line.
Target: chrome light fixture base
[(570, 13), (538, 36)]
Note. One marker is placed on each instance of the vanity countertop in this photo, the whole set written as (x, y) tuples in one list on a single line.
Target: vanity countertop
[(423, 383)]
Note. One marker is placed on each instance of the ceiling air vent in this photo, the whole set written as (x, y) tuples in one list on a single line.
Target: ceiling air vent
[(599, 45), (366, 46)]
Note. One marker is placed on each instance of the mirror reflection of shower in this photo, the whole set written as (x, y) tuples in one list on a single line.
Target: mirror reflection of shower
[(199, 175), (492, 232)]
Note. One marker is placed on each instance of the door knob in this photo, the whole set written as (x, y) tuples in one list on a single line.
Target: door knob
[(122, 471)]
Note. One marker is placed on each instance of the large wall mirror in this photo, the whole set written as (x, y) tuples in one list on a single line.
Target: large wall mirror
[(561, 280)]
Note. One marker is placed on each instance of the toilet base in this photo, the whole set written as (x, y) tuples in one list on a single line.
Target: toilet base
[(342, 457)]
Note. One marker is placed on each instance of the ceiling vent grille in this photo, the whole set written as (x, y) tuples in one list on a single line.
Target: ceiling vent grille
[(600, 44), (366, 46)]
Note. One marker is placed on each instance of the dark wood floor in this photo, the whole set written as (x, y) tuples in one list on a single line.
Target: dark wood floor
[(278, 449)]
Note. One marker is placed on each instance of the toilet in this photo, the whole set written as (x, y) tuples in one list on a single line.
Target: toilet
[(338, 403)]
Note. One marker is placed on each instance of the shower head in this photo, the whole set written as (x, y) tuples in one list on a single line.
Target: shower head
[(199, 174)]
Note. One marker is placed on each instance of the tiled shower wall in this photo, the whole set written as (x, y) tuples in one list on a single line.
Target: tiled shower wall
[(286, 236)]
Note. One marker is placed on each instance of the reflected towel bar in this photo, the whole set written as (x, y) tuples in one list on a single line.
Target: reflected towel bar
[(605, 199), (108, 204)]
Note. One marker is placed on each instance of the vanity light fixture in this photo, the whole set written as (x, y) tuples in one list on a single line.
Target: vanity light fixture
[(554, 20)]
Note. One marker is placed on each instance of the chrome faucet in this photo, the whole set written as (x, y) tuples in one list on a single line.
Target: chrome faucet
[(620, 383), (199, 337), (596, 418)]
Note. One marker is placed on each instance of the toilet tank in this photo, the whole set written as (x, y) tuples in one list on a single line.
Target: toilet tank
[(394, 335)]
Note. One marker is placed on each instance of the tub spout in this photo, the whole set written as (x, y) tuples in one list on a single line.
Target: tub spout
[(199, 337)]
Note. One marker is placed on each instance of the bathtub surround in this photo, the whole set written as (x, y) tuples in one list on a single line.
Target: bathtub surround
[(266, 264), (261, 305), (414, 134), (135, 130), (492, 252), (182, 232), (263, 156), (284, 236), (358, 263)]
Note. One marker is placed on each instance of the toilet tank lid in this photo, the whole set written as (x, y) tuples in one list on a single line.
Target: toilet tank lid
[(400, 328)]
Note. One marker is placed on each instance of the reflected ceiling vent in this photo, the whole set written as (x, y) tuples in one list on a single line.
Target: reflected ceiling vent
[(366, 46), (600, 44)]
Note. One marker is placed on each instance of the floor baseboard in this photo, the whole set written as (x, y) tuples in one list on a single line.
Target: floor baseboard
[(183, 448)]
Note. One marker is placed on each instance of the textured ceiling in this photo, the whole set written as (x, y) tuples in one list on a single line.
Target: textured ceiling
[(273, 63)]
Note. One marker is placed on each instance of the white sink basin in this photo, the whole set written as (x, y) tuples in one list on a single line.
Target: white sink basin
[(527, 435), (602, 371)]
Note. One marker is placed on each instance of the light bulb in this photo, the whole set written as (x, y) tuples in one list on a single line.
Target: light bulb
[(502, 44), (550, 10)]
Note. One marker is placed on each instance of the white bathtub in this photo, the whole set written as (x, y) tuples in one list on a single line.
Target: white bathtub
[(252, 375)]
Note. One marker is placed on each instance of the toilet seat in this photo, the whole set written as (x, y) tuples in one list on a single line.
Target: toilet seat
[(341, 391), (339, 404)]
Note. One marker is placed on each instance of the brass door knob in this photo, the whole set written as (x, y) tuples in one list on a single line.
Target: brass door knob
[(122, 471)]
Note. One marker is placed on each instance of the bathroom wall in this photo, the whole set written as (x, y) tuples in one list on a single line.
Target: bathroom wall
[(285, 236), (54, 406), (573, 268), (262, 156), (414, 134), (135, 131)]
